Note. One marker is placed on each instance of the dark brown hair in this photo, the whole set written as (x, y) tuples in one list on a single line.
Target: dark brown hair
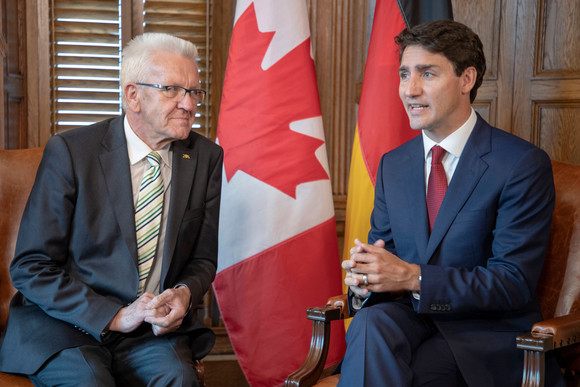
[(457, 42)]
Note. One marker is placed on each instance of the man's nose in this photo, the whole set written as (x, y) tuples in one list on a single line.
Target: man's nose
[(188, 102), (412, 87)]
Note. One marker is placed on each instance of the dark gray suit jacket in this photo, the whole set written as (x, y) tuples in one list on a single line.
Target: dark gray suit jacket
[(75, 264)]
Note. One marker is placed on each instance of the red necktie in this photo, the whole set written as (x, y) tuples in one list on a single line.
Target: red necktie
[(437, 184)]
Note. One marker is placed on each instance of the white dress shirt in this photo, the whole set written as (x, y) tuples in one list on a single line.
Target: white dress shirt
[(138, 151)]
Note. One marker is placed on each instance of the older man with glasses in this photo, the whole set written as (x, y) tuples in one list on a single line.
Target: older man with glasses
[(119, 237)]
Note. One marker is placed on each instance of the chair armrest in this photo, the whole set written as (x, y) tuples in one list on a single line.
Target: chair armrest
[(336, 308), (545, 336), (565, 330)]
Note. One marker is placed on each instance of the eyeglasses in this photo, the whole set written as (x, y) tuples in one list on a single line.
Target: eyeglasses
[(173, 92)]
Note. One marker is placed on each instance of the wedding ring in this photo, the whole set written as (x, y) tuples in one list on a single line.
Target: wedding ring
[(365, 280)]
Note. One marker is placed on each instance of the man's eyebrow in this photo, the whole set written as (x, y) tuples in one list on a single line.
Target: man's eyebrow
[(426, 67), (419, 67)]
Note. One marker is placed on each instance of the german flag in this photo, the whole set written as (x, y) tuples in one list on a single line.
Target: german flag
[(382, 122)]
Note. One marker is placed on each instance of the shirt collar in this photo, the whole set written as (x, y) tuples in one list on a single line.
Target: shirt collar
[(137, 148), (455, 142)]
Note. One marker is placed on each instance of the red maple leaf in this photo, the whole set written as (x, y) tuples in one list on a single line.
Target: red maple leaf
[(258, 107)]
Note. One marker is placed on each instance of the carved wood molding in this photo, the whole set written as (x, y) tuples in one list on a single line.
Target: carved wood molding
[(3, 47), (556, 57)]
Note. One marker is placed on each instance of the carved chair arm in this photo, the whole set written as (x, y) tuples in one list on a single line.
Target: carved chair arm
[(546, 335), (307, 375), (565, 330)]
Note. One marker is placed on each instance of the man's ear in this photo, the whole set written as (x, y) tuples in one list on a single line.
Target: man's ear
[(468, 78), (131, 96)]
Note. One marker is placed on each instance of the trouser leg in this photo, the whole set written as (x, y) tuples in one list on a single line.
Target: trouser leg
[(381, 340)]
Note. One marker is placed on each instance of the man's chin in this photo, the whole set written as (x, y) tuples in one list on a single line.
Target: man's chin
[(182, 132), (416, 125)]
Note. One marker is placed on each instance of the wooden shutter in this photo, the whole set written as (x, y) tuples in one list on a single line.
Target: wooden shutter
[(85, 59), (85, 54), (189, 20)]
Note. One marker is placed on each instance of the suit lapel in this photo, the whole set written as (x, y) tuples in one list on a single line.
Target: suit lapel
[(114, 160), (413, 171), (465, 178), (183, 170)]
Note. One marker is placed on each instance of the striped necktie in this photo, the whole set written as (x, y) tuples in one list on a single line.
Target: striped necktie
[(148, 217)]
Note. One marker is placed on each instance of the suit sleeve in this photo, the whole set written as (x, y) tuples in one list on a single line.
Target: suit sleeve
[(41, 266)]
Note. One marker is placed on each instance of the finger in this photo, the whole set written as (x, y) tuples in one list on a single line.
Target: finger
[(379, 243), (160, 321), (348, 264), (355, 249), (159, 300), (368, 250), (359, 291), (354, 280), (159, 331)]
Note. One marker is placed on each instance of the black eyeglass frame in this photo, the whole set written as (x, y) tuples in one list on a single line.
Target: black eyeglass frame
[(199, 93)]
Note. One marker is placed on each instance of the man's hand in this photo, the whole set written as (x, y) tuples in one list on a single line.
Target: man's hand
[(384, 271), (130, 317), (176, 300)]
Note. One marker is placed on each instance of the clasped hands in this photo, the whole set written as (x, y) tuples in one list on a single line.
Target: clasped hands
[(385, 272), (164, 312)]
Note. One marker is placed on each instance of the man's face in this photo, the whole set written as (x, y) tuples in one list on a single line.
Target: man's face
[(435, 99), (162, 119)]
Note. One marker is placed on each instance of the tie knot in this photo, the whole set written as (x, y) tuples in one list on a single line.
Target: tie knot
[(154, 159), (437, 154)]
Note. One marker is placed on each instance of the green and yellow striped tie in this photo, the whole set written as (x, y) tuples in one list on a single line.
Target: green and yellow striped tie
[(148, 217)]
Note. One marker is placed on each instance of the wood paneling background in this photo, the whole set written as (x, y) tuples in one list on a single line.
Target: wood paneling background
[(531, 87)]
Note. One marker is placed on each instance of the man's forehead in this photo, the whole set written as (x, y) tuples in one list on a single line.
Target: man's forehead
[(418, 57)]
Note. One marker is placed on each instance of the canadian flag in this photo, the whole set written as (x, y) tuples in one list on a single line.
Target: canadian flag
[(278, 250)]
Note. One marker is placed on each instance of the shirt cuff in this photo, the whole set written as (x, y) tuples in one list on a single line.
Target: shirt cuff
[(190, 297), (417, 294)]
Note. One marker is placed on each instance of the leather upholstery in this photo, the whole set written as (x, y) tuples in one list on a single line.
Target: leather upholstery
[(559, 286), (17, 172)]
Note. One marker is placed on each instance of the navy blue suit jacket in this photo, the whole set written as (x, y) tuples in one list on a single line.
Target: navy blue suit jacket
[(75, 264), (481, 263)]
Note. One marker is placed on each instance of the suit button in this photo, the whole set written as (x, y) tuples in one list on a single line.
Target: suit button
[(433, 307)]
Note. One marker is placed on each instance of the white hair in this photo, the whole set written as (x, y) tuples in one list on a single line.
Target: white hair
[(137, 55)]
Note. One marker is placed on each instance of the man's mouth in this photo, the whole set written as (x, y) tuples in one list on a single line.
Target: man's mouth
[(417, 107)]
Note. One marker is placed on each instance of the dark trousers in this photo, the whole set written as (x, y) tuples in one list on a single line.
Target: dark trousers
[(137, 359), (388, 344)]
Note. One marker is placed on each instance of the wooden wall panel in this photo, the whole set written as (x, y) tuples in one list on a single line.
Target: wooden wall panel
[(555, 124), (38, 72), (493, 21), (14, 74), (558, 39), (3, 53), (547, 77), (483, 17)]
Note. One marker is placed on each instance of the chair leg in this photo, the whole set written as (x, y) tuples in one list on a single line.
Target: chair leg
[(200, 371), (534, 363)]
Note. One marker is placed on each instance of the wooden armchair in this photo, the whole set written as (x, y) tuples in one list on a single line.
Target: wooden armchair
[(558, 291), (17, 173)]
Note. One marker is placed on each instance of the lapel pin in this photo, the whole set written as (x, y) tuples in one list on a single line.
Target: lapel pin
[(185, 156)]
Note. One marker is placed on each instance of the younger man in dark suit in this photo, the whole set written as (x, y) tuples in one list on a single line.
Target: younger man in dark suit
[(119, 237), (459, 229)]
